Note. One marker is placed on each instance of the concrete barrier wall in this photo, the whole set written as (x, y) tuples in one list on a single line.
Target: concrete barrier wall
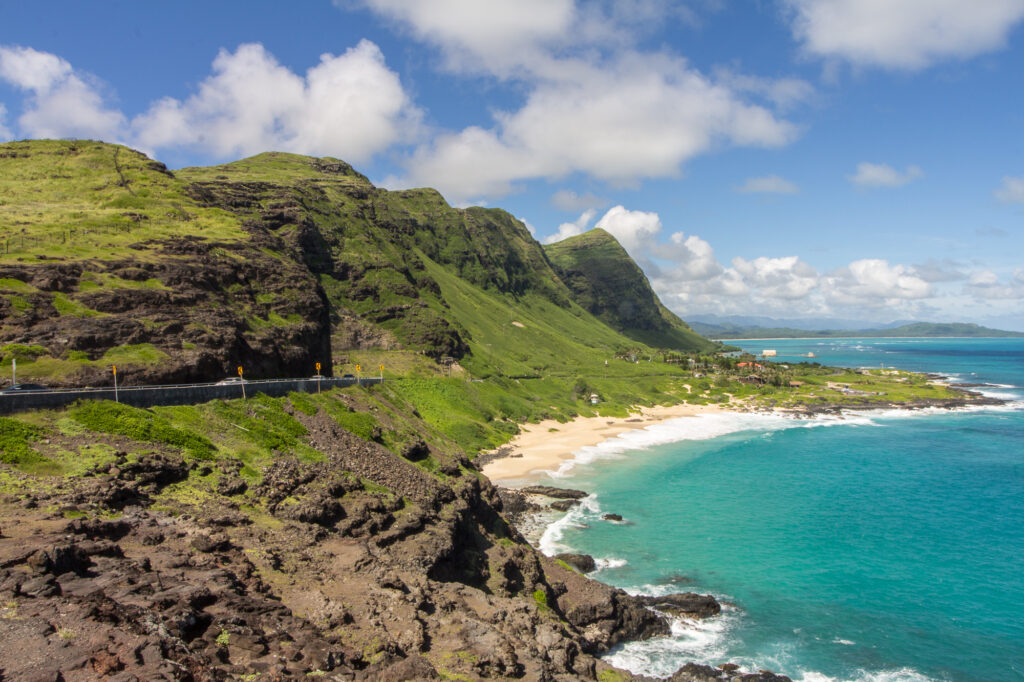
[(149, 396)]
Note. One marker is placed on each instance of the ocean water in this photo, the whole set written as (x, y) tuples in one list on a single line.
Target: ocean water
[(883, 546)]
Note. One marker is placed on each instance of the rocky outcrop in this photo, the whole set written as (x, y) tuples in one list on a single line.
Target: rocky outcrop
[(557, 493), (584, 563), (693, 672), (686, 604)]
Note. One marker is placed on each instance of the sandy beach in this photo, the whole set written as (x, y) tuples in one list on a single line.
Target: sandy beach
[(544, 446)]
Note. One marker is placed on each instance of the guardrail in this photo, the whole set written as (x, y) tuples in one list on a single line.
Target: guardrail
[(173, 394)]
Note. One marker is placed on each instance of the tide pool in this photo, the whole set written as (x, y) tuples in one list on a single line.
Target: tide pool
[(880, 546)]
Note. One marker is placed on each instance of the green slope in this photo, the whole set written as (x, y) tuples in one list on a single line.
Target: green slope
[(276, 262), (608, 283)]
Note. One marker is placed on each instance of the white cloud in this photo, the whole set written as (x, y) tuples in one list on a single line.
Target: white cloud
[(351, 106), (61, 102), (784, 93), (883, 175), (987, 286), (779, 278), (568, 200), (639, 116), (1012, 191), (903, 34), (771, 184), (633, 229), (31, 69), (5, 133), (578, 226), (873, 282), (494, 35)]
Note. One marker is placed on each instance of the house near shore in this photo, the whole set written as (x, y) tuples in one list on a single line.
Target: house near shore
[(769, 353)]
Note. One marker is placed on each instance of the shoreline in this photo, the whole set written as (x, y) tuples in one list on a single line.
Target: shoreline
[(544, 446)]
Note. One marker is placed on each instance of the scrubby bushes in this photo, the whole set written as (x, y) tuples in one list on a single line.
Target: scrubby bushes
[(107, 417)]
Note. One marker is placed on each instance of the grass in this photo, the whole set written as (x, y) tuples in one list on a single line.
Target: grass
[(15, 441), (79, 208), (142, 425)]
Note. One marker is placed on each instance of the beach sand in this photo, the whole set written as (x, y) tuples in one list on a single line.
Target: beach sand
[(544, 446)]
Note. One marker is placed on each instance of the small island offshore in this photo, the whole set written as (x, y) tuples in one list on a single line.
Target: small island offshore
[(310, 531)]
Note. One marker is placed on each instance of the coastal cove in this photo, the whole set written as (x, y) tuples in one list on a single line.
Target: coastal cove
[(871, 545)]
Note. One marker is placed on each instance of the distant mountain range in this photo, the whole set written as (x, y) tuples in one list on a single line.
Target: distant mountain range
[(753, 327)]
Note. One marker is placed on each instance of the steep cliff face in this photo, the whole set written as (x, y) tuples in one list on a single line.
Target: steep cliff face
[(607, 282), (277, 262)]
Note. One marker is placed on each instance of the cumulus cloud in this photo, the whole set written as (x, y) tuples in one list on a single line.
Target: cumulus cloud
[(688, 277), (883, 175), (639, 116), (873, 282), (986, 285), (568, 200), (633, 229), (61, 102), (902, 34), (770, 184), (1012, 191), (350, 105), (593, 103), (5, 133), (781, 278), (495, 35), (31, 69), (578, 226)]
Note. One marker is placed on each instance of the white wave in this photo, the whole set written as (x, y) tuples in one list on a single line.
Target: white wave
[(699, 427), (703, 641), (609, 562), (901, 675), (1002, 395), (550, 542), (844, 642)]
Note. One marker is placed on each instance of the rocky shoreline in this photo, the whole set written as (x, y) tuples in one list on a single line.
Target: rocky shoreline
[(338, 581)]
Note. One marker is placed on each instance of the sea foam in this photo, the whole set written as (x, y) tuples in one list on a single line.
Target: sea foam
[(702, 427)]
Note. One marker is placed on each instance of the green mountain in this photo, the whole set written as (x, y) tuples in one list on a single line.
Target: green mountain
[(608, 283), (916, 329), (280, 261)]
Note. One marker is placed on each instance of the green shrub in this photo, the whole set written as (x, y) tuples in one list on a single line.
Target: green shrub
[(108, 417), (15, 437), (21, 352)]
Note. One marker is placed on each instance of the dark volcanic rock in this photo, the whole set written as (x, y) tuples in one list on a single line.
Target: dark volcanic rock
[(692, 672), (684, 604), (584, 563), (558, 493), (611, 517), (563, 505)]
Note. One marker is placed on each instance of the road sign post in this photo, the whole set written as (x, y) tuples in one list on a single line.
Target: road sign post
[(318, 377), (115, 384), (359, 379), (241, 380), (381, 368), (14, 371)]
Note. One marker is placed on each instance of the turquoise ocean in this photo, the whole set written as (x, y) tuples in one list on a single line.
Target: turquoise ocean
[(885, 546)]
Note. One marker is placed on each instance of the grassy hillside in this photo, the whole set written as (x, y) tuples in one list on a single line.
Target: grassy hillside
[(277, 262), (606, 281)]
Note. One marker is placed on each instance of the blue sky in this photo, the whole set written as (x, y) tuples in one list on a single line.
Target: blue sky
[(793, 158)]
